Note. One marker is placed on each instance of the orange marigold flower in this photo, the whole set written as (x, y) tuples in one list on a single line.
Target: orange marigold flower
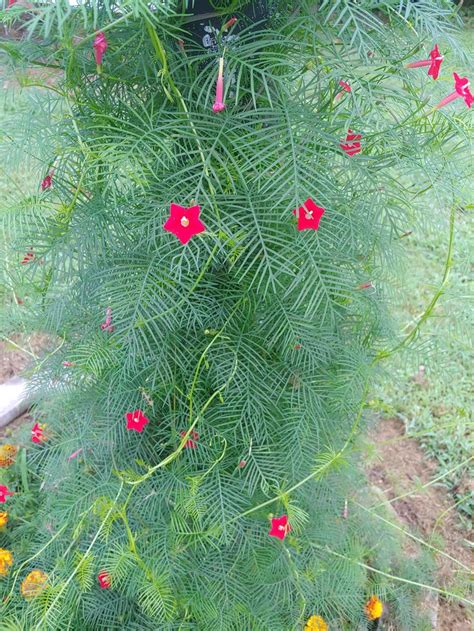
[(33, 584), (373, 608), (7, 455), (3, 519), (6, 560), (316, 623)]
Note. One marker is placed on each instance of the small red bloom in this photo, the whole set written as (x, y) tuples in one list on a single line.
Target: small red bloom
[(368, 285), (74, 454), (47, 181), (10, 3), (434, 63), (229, 24), (309, 215), (241, 464), (4, 493), (107, 325), (29, 256), (461, 90), (37, 433), (297, 347), (136, 420), (219, 104), (68, 364), (104, 579), (191, 442), (436, 60), (345, 86), (352, 144), (184, 222), (100, 46), (461, 85), (280, 527)]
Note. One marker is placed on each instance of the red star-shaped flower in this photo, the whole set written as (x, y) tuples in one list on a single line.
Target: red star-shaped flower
[(4, 493), (184, 222), (29, 256), (191, 442), (37, 433), (280, 527), (100, 46), (309, 215), (434, 63), (461, 90), (436, 60), (352, 144), (345, 86), (104, 579), (47, 181), (461, 85), (136, 420)]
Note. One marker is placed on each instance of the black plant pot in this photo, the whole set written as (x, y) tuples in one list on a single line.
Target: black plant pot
[(206, 18)]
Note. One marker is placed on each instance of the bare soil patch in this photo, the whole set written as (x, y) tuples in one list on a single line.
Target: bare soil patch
[(401, 467)]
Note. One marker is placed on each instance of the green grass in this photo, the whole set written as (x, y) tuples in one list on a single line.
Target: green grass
[(437, 408)]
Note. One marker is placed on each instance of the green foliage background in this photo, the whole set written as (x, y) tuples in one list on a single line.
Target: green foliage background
[(205, 334)]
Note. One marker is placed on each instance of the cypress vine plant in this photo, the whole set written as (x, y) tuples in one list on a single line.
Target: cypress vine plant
[(212, 209)]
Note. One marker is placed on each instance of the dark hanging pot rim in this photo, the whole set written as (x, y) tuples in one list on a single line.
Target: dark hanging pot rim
[(195, 11)]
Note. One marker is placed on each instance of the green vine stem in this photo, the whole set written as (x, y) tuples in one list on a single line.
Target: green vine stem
[(381, 355), (40, 626), (393, 577), (429, 309), (411, 536)]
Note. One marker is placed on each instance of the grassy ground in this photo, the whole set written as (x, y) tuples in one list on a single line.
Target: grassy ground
[(432, 389)]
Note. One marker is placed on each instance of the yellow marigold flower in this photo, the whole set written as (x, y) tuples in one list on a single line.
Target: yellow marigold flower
[(33, 584), (6, 560), (373, 608), (3, 519), (316, 623), (7, 455)]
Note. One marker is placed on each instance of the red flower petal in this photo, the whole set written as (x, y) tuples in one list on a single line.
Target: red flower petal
[(280, 527), (184, 222), (351, 146), (29, 256), (37, 435), (47, 181), (309, 215), (100, 46), (461, 85), (136, 420), (219, 104), (190, 443), (436, 61), (104, 579), (4, 493), (229, 23), (345, 86)]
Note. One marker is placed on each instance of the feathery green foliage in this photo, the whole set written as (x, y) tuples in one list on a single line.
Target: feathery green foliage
[(255, 335)]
